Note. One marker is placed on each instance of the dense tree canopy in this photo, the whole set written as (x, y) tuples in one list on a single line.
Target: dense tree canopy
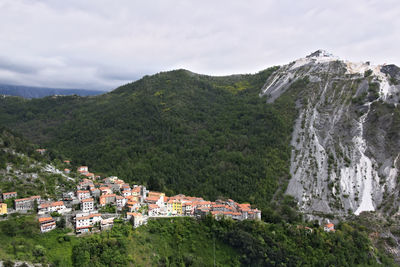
[(176, 131)]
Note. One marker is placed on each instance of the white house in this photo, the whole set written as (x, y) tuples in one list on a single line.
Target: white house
[(47, 224), (82, 194), (86, 221), (120, 201), (57, 206), (87, 204)]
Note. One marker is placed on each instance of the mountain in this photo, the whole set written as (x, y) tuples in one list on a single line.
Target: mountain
[(38, 92), (175, 131), (346, 137), (321, 129)]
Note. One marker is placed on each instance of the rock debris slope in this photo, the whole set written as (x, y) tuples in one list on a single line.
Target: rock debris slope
[(345, 156)]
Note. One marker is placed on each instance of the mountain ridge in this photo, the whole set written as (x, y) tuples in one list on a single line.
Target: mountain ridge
[(39, 92), (333, 136)]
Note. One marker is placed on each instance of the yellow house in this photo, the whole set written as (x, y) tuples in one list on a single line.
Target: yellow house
[(3, 208), (177, 207)]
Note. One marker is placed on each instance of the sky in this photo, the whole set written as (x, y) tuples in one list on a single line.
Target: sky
[(101, 44)]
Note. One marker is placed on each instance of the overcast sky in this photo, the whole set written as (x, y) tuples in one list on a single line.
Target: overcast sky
[(99, 44)]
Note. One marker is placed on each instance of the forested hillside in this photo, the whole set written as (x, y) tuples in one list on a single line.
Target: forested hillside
[(24, 170), (176, 131), (188, 242)]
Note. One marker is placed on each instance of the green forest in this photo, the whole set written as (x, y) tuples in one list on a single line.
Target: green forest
[(176, 132), (190, 242)]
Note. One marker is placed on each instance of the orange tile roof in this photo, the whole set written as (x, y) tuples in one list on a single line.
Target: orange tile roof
[(136, 189), (152, 198), (87, 200), (45, 219), (153, 206), (22, 199), (51, 204)]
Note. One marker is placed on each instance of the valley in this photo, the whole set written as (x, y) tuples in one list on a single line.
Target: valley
[(305, 145)]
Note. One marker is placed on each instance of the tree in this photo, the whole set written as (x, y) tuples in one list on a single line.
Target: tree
[(61, 223)]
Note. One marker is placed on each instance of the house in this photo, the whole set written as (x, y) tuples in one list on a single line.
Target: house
[(127, 192), (67, 161), (87, 204), (47, 224), (106, 224), (110, 180), (84, 222), (236, 215), (105, 190), (176, 207), (329, 227), (57, 206), (107, 199), (136, 191), (157, 200), (9, 195), (140, 192), (137, 219), (188, 208), (83, 169), (3, 208), (254, 214), (120, 201), (95, 192), (67, 171), (85, 184), (125, 187), (82, 194), (68, 196), (24, 204), (132, 205), (154, 210)]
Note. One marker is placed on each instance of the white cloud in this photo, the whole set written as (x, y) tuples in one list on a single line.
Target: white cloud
[(101, 44)]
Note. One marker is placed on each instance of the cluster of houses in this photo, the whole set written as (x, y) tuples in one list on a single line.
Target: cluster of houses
[(135, 204), (140, 204)]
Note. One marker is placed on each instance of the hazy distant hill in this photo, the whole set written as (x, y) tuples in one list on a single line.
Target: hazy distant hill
[(38, 92)]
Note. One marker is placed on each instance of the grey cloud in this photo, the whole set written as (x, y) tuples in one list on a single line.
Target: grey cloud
[(12, 66), (100, 44)]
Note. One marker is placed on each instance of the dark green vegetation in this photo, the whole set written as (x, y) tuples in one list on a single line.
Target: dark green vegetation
[(187, 242), (177, 132), (23, 170), (21, 240)]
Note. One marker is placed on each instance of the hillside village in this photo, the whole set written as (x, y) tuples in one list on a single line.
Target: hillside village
[(96, 203)]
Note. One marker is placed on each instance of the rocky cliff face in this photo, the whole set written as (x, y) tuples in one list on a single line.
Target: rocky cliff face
[(346, 144)]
